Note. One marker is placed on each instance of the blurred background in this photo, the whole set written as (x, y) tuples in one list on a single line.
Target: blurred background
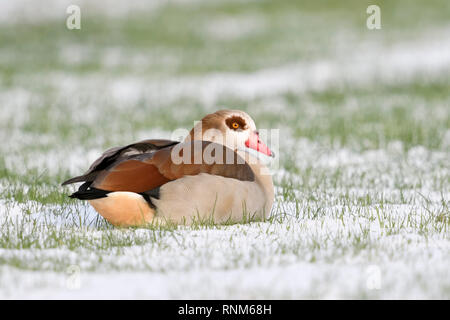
[(310, 66), (364, 119)]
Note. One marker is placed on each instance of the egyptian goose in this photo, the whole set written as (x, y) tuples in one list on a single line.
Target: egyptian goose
[(214, 174)]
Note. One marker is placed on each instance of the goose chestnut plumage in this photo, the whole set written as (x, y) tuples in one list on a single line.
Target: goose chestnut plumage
[(210, 176)]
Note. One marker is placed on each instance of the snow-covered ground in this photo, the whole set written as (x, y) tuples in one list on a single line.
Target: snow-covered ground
[(362, 182), (352, 241)]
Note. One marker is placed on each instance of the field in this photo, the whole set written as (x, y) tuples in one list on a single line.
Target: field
[(362, 178)]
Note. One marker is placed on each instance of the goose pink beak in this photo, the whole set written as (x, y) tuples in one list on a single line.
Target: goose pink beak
[(255, 143)]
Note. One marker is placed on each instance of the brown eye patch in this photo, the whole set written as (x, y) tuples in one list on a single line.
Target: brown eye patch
[(236, 123)]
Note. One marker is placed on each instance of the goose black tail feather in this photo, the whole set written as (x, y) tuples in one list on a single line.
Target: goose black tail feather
[(154, 193), (73, 180), (89, 194)]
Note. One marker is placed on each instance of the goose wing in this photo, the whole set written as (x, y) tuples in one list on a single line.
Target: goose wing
[(147, 165)]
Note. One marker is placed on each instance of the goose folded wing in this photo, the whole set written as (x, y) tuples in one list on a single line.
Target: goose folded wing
[(117, 154), (145, 171)]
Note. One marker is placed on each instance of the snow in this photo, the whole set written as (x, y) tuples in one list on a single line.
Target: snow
[(291, 281), (376, 225), (231, 28), (320, 249)]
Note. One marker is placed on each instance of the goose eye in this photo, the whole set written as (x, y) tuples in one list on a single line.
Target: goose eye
[(235, 123)]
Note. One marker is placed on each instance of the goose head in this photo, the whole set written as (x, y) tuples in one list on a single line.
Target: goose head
[(233, 128)]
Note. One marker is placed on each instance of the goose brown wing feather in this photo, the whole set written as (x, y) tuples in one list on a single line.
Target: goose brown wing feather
[(143, 172), (116, 154)]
